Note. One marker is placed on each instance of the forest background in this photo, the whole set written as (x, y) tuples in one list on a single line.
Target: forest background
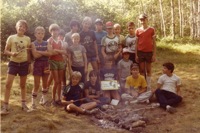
[(171, 18), (177, 25)]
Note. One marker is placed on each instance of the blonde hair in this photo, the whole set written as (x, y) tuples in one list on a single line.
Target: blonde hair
[(53, 27), (117, 25), (22, 22), (76, 74), (75, 35), (39, 28), (87, 19)]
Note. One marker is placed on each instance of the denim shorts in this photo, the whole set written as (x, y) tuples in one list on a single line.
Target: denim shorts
[(15, 68), (91, 59), (56, 65), (145, 56), (39, 67)]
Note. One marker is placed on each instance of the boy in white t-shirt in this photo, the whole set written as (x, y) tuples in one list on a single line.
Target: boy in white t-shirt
[(168, 92)]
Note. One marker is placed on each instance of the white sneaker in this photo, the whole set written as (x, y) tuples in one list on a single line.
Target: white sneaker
[(41, 101), (4, 111), (134, 102), (155, 105), (170, 109)]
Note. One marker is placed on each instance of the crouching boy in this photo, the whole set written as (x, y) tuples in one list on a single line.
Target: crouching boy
[(136, 87), (72, 96)]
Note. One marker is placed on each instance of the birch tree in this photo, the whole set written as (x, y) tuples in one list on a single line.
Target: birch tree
[(172, 19), (162, 18)]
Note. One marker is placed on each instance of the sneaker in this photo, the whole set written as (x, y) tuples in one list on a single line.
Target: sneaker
[(25, 108), (53, 103), (91, 112), (4, 111), (58, 102), (133, 102), (41, 101), (170, 109), (155, 105), (33, 107)]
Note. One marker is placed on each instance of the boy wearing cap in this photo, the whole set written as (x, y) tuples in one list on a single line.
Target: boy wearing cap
[(110, 44), (99, 34), (145, 47), (131, 40), (123, 67), (136, 87)]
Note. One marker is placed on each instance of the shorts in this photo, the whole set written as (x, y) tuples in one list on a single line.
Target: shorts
[(145, 56), (15, 68), (132, 57), (39, 68), (91, 59), (56, 65)]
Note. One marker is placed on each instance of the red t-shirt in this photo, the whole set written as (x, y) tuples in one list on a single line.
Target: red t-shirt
[(145, 39), (56, 45)]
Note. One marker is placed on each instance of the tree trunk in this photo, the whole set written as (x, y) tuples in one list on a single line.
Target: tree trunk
[(162, 18), (172, 14), (198, 23), (191, 20), (180, 18)]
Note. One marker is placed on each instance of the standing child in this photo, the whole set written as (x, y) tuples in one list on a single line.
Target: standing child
[(66, 74), (72, 97), (110, 44), (56, 62), (136, 87), (74, 25), (117, 32), (41, 51), (17, 46), (131, 40), (88, 40), (77, 57), (145, 48), (109, 72), (99, 34), (123, 67), (168, 91)]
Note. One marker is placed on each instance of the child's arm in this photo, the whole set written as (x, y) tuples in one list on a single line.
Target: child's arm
[(178, 90), (85, 62), (154, 48), (103, 51), (96, 50), (46, 53), (118, 52), (8, 52), (34, 52), (70, 63)]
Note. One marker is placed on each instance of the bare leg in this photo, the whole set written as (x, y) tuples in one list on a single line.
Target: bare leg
[(9, 82)]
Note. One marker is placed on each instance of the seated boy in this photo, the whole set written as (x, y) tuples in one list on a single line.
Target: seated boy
[(168, 88), (136, 87), (72, 97)]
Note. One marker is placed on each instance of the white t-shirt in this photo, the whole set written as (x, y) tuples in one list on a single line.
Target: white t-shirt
[(169, 83)]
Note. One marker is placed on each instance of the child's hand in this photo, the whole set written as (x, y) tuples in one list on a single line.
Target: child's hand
[(137, 59), (153, 58), (71, 101), (14, 54)]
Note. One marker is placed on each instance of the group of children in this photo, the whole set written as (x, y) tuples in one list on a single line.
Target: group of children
[(113, 57)]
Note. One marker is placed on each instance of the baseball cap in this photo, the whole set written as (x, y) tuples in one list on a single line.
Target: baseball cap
[(125, 50), (134, 66), (98, 20), (109, 24), (143, 16)]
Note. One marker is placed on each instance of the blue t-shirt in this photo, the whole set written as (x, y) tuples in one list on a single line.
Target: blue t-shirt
[(108, 74), (41, 47), (99, 36)]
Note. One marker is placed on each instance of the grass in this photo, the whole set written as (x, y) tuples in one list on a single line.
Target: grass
[(185, 56)]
